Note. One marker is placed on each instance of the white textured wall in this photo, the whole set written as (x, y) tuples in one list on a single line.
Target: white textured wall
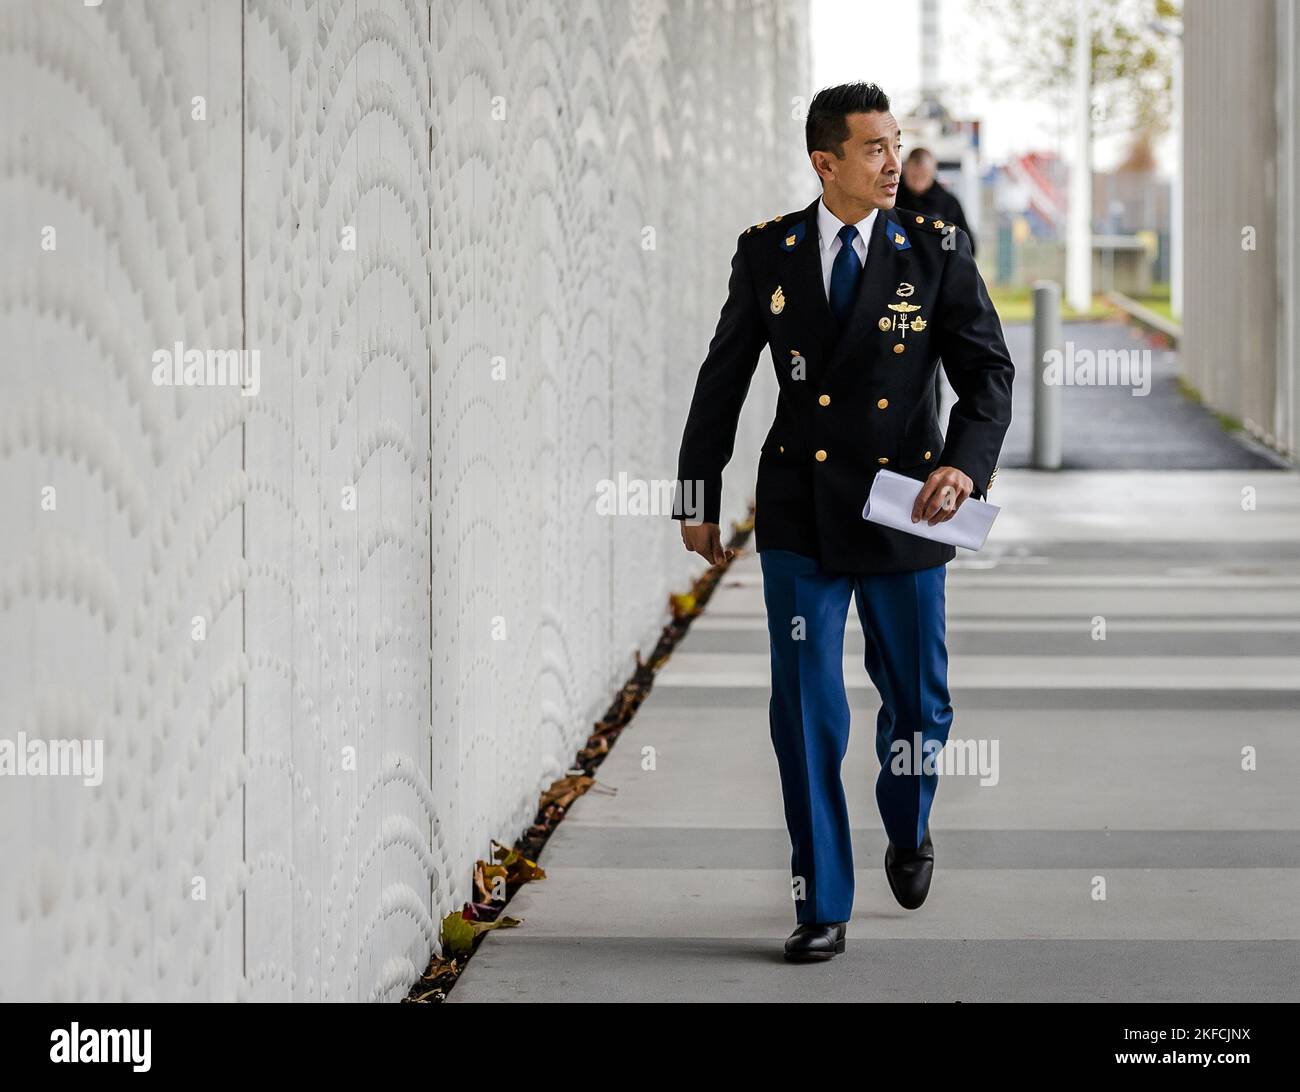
[(460, 628)]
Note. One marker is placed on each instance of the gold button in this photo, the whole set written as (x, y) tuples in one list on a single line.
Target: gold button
[(884, 324), (938, 223), (899, 347), (927, 454), (820, 456), (825, 400), (882, 404), (920, 219), (882, 460), (781, 449)]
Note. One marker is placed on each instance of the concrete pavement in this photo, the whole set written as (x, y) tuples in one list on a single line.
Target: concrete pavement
[(1109, 427), (1119, 768)]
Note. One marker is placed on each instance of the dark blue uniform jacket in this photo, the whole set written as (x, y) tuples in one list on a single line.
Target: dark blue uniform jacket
[(851, 400)]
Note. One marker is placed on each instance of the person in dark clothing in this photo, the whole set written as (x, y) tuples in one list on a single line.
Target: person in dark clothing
[(919, 189)]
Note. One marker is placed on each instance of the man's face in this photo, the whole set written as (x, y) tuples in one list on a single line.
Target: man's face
[(869, 171), (919, 174)]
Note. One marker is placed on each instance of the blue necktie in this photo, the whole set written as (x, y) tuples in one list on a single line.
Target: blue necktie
[(844, 275)]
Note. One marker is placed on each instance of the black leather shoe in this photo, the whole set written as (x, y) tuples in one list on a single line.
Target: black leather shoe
[(815, 940), (909, 871)]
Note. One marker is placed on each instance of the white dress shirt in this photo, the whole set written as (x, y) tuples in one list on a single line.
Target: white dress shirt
[(828, 228)]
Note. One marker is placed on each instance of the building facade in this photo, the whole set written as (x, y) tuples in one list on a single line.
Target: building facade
[(1241, 177)]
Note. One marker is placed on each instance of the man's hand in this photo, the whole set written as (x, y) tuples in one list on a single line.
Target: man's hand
[(941, 495), (705, 539)]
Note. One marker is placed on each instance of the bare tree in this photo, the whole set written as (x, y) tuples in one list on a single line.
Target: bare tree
[(1132, 63)]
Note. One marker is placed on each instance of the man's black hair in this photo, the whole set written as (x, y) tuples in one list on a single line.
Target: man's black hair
[(827, 127)]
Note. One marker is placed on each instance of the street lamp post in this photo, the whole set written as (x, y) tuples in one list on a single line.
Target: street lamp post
[(1078, 240)]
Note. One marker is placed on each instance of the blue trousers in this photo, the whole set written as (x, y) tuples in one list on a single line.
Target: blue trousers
[(902, 617)]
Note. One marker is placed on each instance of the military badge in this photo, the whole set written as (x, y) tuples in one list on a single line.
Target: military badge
[(898, 236), (778, 301), (789, 242)]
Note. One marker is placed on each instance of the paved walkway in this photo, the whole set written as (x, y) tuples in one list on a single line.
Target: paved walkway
[(1119, 764), (1112, 427)]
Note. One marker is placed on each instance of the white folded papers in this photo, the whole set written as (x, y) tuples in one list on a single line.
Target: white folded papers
[(890, 504)]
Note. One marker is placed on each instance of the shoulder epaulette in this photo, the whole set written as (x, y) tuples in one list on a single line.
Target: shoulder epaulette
[(911, 219), (766, 223)]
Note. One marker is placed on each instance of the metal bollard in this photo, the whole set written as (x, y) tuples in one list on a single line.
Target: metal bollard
[(1047, 397)]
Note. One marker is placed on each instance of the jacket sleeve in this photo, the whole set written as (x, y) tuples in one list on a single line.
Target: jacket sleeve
[(976, 361), (720, 388)]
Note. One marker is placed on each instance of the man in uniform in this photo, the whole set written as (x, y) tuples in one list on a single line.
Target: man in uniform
[(857, 299)]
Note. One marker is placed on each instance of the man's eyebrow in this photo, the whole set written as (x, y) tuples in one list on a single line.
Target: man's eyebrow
[(882, 139)]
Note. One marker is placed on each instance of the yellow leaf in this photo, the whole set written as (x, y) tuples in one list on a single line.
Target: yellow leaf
[(457, 934), (505, 921), (683, 605)]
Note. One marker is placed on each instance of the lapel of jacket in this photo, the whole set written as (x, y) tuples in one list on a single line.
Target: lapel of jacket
[(886, 267), (815, 328), (806, 277)]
